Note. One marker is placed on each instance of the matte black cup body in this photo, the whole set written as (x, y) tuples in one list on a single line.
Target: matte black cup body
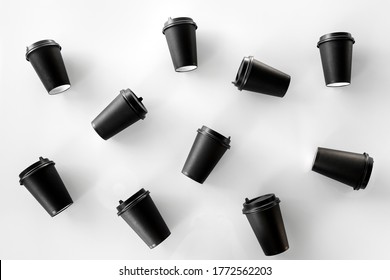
[(336, 57), (208, 148), (265, 218), (122, 112), (256, 76), (45, 56), (142, 215), (42, 180), (181, 39), (349, 168)]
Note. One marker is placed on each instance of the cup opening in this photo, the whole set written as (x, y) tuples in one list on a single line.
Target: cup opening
[(59, 89), (338, 84), (186, 68)]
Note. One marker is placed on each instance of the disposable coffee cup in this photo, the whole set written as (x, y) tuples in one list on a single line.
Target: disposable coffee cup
[(256, 76), (336, 57), (122, 112), (181, 39), (207, 149), (142, 215), (352, 169), (42, 180), (265, 218), (45, 57)]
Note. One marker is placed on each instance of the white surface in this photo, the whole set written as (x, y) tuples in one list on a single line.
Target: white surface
[(112, 45)]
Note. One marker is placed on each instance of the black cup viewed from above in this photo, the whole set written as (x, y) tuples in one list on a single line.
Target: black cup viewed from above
[(122, 112), (208, 148), (265, 218), (42, 180), (336, 57), (142, 215), (256, 76), (181, 38), (352, 169), (45, 56)]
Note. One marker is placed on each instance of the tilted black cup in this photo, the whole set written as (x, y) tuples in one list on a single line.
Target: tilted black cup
[(256, 76), (42, 180), (181, 39), (45, 57), (265, 218), (122, 112), (207, 149), (349, 168), (336, 57), (142, 215)]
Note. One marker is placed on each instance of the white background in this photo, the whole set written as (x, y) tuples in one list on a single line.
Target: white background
[(112, 45)]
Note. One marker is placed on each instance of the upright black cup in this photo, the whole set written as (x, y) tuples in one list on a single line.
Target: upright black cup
[(42, 180), (142, 215), (349, 168), (45, 57), (256, 76), (181, 39), (336, 56), (208, 148), (122, 112), (265, 218)]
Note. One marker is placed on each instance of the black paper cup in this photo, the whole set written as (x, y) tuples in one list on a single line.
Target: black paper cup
[(265, 218), (122, 112), (336, 57), (181, 39), (142, 215), (45, 57), (207, 149), (256, 76), (349, 168), (42, 180)]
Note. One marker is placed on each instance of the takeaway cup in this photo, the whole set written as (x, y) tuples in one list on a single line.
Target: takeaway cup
[(45, 57), (42, 180), (256, 76), (122, 112), (336, 57), (181, 38), (265, 218), (207, 149), (142, 215)]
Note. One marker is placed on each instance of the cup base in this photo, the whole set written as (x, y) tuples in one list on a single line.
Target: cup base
[(55, 213), (186, 68), (158, 243), (338, 84), (191, 177), (59, 89)]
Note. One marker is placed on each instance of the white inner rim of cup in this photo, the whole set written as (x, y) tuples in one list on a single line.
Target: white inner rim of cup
[(59, 89), (338, 84), (186, 68)]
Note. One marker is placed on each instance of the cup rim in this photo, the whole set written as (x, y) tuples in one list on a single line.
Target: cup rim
[(335, 36), (134, 102), (260, 203), (131, 201), (368, 166), (224, 141), (176, 21), (243, 72), (40, 44), (34, 168)]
